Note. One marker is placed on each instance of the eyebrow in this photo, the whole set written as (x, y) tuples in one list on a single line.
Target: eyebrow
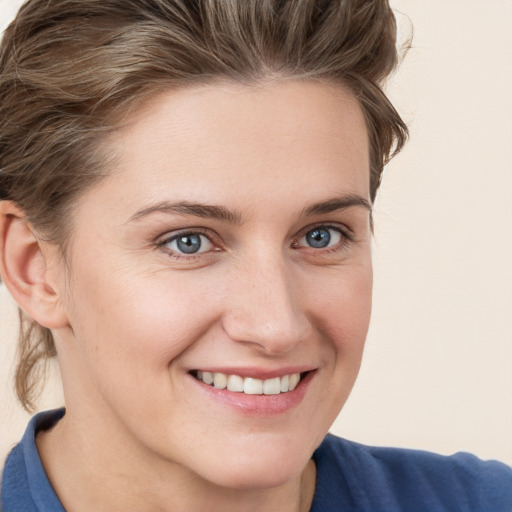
[(187, 208), (235, 217), (336, 204)]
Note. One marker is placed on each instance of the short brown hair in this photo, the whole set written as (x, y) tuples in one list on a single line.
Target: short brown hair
[(71, 69)]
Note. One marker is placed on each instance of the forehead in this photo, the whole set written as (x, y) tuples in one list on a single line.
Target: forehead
[(212, 140)]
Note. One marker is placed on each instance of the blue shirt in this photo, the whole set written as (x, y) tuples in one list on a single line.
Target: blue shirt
[(350, 477)]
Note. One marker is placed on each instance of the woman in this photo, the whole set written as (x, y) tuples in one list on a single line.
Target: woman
[(186, 221)]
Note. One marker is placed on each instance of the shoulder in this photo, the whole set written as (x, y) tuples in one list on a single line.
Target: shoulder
[(15, 485), (393, 479), (24, 484)]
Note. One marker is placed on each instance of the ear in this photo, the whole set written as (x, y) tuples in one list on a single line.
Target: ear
[(24, 268)]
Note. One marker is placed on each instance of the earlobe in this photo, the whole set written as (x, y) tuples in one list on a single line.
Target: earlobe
[(24, 268)]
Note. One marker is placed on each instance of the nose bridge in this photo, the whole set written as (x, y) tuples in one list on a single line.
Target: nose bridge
[(265, 306)]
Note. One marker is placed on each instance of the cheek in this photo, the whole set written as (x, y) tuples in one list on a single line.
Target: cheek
[(343, 302), (137, 324), (342, 309)]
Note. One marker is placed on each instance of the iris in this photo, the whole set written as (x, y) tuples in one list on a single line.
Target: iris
[(189, 244), (318, 238)]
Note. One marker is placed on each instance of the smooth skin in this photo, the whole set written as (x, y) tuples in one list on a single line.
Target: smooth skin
[(255, 179)]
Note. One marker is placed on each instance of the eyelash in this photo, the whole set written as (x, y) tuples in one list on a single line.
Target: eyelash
[(345, 239)]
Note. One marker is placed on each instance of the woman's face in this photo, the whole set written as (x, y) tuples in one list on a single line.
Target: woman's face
[(232, 241)]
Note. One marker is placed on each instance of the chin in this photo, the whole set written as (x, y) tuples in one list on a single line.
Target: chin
[(260, 465), (257, 476)]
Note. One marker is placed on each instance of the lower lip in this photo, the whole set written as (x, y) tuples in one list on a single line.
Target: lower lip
[(261, 405)]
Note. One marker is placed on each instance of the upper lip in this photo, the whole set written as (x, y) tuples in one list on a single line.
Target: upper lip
[(255, 372)]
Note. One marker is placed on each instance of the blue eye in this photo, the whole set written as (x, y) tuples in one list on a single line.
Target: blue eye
[(189, 243), (321, 237)]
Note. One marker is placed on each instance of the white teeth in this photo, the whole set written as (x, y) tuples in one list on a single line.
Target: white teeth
[(284, 383), (253, 386), (272, 386), (220, 381), (235, 383), (206, 377), (294, 380), (248, 385)]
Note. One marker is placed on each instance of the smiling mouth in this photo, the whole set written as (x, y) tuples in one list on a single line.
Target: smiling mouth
[(249, 385)]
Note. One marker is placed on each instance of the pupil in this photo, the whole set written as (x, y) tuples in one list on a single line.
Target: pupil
[(189, 243), (318, 238)]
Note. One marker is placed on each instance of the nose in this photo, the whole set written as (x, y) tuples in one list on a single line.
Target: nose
[(265, 306)]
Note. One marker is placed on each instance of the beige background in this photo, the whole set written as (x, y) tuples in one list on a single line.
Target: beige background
[(438, 365)]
